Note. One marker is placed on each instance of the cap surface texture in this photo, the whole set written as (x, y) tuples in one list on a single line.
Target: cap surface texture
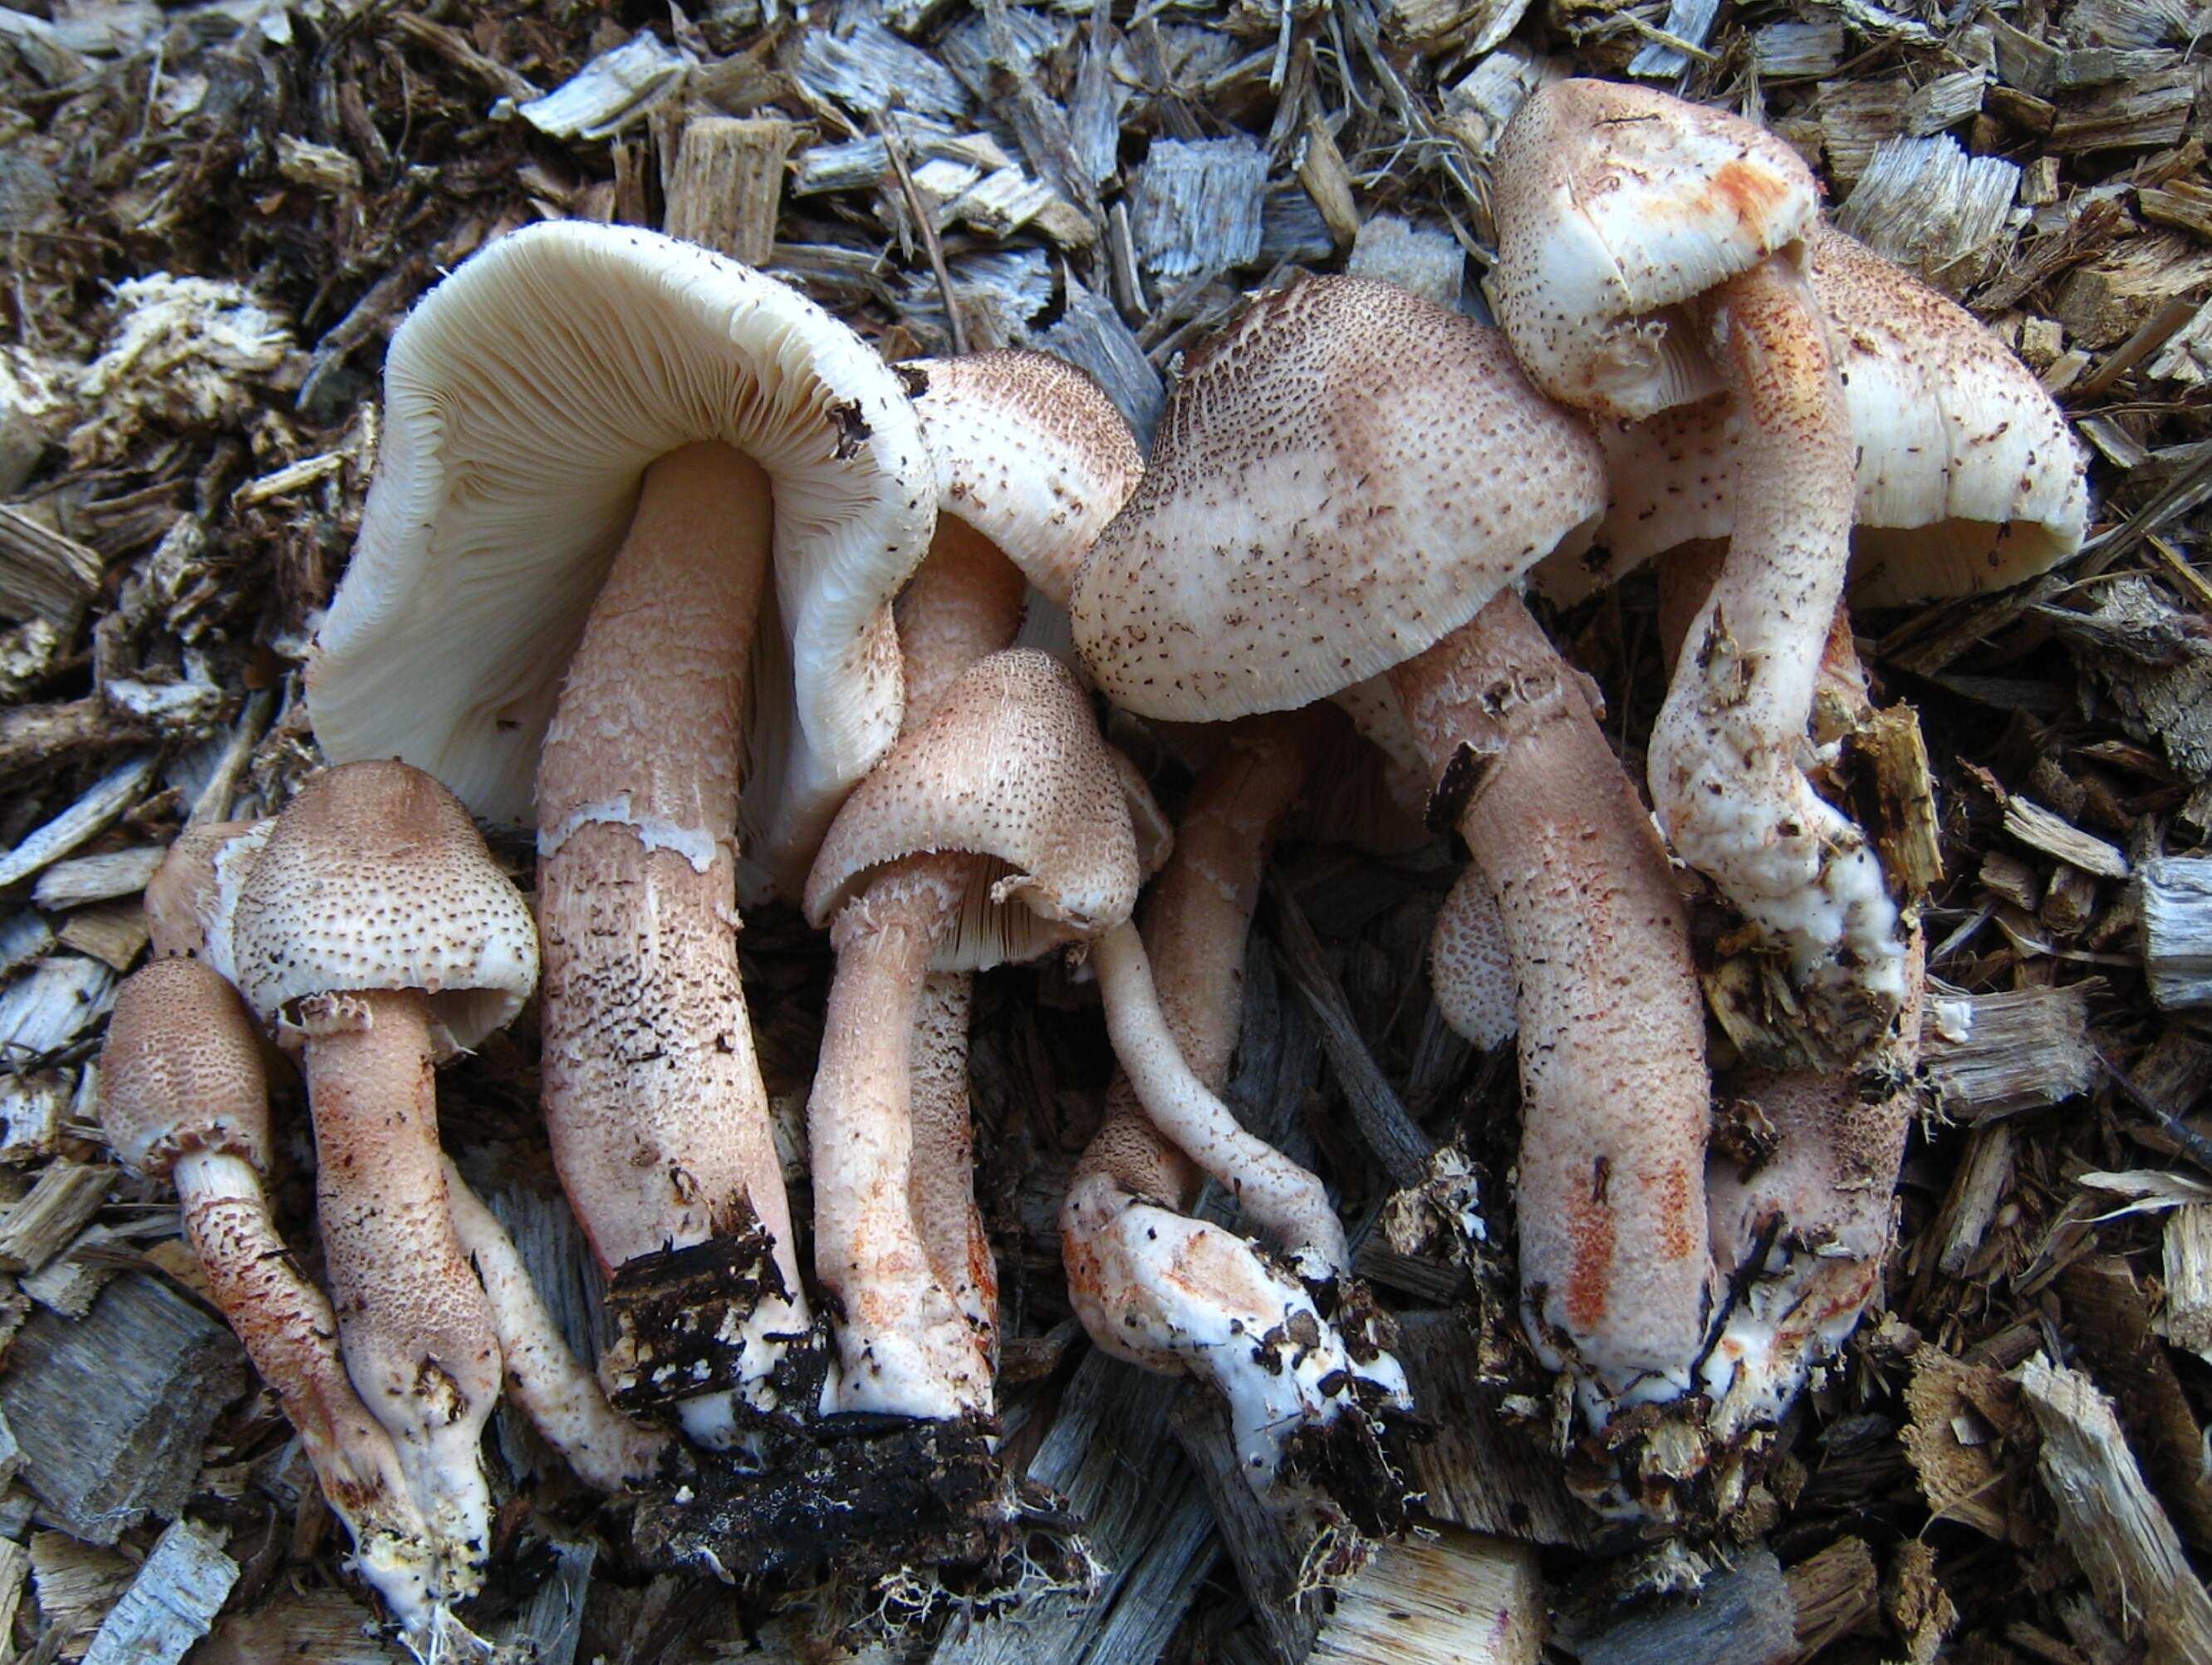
[(181, 1070)]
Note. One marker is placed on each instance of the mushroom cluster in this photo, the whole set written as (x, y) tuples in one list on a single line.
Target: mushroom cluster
[(664, 562)]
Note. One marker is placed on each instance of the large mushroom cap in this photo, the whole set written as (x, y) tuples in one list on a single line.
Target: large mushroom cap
[(1028, 452), (375, 878), (1343, 478), (181, 1070), (1009, 769), (1613, 203), (524, 398), (1968, 479)]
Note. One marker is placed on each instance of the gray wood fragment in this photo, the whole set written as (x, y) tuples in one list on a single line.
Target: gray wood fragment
[(325, 1626), (1196, 205), (863, 66), (2187, 1246), (2012, 1051), (31, 1106), (2176, 929), (14, 1568), (614, 90), (43, 574), (1090, 334), (1689, 21), (1977, 1191), (75, 1584), (1945, 102), (23, 936), (107, 797), (11, 1463), (2039, 829), (1292, 229), (726, 184), (1424, 259), (1741, 1615), (551, 1622), (71, 1280), (170, 1604), (2113, 1523), (1792, 48), (1454, 1598), (59, 998), (37, 1228), (2143, 112), (97, 878), (1927, 204), (111, 1411), (1261, 1544)]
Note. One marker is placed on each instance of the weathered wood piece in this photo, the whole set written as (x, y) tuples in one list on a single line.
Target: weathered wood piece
[(1195, 208), (113, 932), (170, 1604), (31, 1106), (613, 91), (1090, 334), (105, 800), (2040, 829), (15, 1569), (110, 1411), (726, 185), (1976, 1190), (2115, 1526), (75, 1584), (43, 574), (32, 736), (1455, 1598), (1262, 1543), (2176, 929), (97, 878), (1835, 1592), (57, 1000), (1927, 204), (1477, 1472), (552, 1623), (2018, 1050), (35, 1229), (327, 1627), (2187, 1320), (865, 66), (1741, 1615)]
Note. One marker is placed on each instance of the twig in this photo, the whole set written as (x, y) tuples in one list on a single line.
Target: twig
[(2193, 1145), (895, 148)]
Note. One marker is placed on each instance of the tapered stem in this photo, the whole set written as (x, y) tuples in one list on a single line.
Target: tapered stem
[(561, 1397), (904, 1349), (963, 601), (1614, 1095), (1724, 767), (653, 1098), (292, 1337), (419, 1340)]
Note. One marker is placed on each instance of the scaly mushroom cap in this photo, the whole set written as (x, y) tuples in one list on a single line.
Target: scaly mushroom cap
[(1010, 769), (375, 878), (181, 1071), (524, 398), (1344, 476), (1613, 203), (1968, 478), (193, 894), (1029, 453)]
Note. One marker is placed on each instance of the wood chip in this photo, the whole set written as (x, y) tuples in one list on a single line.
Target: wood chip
[(2141, 113), (1456, 1598), (44, 575), (112, 1410), (36, 1229), (1977, 1191), (726, 185), (59, 998), (327, 1627), (106, 798), (32, 1105), (1739, 1615), (97, 878), (1836, 1592), (2187, 1319), (2040, 829), (2020, 1050), (2114, 1526), (1196, 206), (1929, 206), (2177, 930), (1958, 1413), (172, 1602), (614, 91), (75, 1584)]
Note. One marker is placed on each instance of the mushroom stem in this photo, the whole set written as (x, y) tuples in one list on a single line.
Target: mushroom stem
[(653, 1098), (291, 1336), (1615, 1097), (1724, 767), (905, 1349), (1151, 1284), (1275, 1191), (561, 1397), (963, 601), (417, 1331)]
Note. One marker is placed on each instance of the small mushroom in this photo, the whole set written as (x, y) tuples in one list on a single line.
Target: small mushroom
[(1347, 483), (182, 1098), (1651, 252), (639, 515), (1178, 1295), (375, 935)]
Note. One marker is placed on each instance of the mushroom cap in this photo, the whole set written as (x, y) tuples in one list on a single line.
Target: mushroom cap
[(524, 398), (375, 878), (1615, 203), (192, 898), (1009, 769), (1344, 476), (181, 1070), (1968, 477), (1028, 452)]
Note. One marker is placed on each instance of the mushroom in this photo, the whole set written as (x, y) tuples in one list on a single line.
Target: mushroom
[(1031, 460), (1651, 252), (1347, 482), (1177, 1295), (182, 1099), (597, 442), (375, 935)]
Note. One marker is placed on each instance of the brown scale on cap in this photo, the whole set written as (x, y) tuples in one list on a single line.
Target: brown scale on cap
[(1651, 252), (1401, 452), (182, 1097), (376, 934)]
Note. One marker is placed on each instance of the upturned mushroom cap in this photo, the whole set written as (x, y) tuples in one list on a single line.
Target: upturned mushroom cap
[(181, 1070), (524, 398), (1010, 769), (1028, 452), (374, 878), (1344, 476), (1968, 478), (1613, 203)]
